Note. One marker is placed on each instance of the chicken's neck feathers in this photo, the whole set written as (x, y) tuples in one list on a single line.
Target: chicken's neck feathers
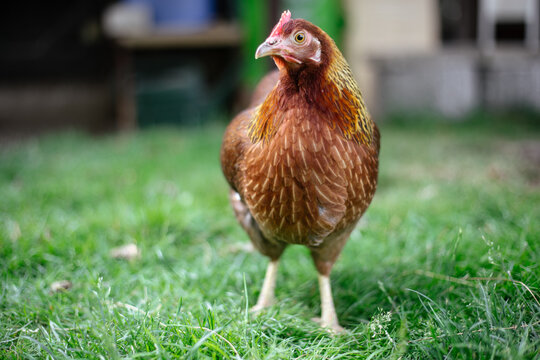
[(332, 92)]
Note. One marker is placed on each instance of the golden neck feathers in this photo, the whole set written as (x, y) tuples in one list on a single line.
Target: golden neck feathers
[(332, 91)]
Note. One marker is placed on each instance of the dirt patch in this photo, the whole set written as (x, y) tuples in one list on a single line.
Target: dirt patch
[(530, 167)]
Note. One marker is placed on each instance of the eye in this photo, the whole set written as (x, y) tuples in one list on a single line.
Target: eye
[(299, 37)]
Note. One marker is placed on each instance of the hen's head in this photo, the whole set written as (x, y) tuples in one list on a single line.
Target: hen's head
[(295, 43)]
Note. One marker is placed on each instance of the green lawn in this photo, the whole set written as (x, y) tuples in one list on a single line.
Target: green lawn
[(444, 265)]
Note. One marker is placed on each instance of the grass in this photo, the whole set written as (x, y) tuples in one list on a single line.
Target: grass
[(443, 265)]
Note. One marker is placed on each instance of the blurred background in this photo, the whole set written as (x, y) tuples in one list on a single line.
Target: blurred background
[(117, 239), (104, 65)]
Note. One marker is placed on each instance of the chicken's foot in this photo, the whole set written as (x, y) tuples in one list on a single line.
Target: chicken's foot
[(266, 297), (328, 317)]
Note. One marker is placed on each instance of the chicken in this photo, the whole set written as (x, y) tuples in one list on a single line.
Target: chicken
[(302, 160)]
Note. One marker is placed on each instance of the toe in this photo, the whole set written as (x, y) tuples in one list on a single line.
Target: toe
[(257, 309), (332, 327)]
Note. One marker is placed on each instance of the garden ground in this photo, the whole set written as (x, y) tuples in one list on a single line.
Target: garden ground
[(443, 265)]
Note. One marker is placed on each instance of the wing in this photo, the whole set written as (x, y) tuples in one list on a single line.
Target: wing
[(236, 140), (235, 144)]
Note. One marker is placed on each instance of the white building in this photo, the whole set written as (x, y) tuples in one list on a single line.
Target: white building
[(450, 56)]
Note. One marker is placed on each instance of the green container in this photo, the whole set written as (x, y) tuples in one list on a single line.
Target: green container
[(326, 14), (254, 18), (175, 96)]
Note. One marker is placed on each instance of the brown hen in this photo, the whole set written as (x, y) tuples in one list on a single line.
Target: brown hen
[(302, 161)]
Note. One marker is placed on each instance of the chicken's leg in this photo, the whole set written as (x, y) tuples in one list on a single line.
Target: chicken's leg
[(266, 297), (324, 257), (328, 312)]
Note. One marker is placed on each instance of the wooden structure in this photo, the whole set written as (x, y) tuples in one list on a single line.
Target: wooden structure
[(218, 35)]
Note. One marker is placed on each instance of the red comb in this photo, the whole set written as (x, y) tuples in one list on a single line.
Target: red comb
[(285, 16)]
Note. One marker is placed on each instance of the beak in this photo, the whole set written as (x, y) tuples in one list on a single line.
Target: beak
[(267, 48), (273, 47)]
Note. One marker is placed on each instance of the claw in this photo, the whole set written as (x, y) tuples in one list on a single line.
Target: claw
[(257, 309), (332, 327)]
